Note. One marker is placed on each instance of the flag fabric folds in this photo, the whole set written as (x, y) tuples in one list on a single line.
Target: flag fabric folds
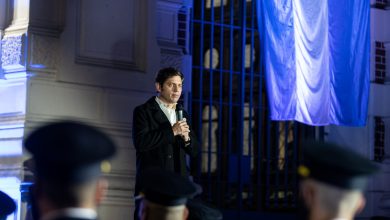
[(316, 56)]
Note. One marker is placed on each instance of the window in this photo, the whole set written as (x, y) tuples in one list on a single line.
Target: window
[(379, 140), (380, 62)]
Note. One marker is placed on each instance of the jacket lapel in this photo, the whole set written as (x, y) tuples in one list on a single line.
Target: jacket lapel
[(157, 113)]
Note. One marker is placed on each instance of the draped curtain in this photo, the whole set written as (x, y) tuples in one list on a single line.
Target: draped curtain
[(316, 56)]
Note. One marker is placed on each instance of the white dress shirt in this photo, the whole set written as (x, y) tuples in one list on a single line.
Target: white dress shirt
[(169, 112)]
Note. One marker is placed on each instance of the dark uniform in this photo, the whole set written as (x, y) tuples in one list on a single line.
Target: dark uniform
[(7, 205), (67, 154), (335, 166)]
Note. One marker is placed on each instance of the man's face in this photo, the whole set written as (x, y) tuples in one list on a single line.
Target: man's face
[(171, 90)]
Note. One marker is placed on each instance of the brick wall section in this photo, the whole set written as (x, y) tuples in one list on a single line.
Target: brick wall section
[(380, 62)]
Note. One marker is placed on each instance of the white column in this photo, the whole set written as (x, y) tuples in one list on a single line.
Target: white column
[(14, 17)]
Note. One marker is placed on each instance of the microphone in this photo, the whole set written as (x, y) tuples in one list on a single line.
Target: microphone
[(179, 112)]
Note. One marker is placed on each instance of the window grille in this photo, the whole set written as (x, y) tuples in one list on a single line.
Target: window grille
[(379, 140), (248, 162)]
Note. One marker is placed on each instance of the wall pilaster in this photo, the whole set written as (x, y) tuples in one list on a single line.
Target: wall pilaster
[(13, 86)]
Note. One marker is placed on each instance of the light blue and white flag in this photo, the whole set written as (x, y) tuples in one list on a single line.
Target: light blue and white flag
[(316, 56)]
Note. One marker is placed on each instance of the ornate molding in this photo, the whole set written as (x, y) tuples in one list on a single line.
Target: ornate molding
[(111, 63), (11, 50), (43, 52), (51, 31)]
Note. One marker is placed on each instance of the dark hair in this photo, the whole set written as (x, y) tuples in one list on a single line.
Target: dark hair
[(165, 73)]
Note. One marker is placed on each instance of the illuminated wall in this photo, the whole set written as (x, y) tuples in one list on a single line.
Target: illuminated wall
[(13, 77), (89, 60)]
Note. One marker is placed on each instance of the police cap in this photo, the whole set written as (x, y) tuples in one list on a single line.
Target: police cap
[(166, 188), (335, 165), (69, 152)]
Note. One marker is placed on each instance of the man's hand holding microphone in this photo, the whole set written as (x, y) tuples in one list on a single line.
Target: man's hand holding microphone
[(181, 127)]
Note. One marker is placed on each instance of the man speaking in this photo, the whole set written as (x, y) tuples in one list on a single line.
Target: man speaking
[(162, 137)]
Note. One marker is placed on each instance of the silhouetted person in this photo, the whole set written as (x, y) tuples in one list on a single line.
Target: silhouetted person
[(333, 180), (164, 195), (7, 206), (69, 160)]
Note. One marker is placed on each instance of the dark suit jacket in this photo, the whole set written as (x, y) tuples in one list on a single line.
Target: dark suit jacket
[(155, 144)]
